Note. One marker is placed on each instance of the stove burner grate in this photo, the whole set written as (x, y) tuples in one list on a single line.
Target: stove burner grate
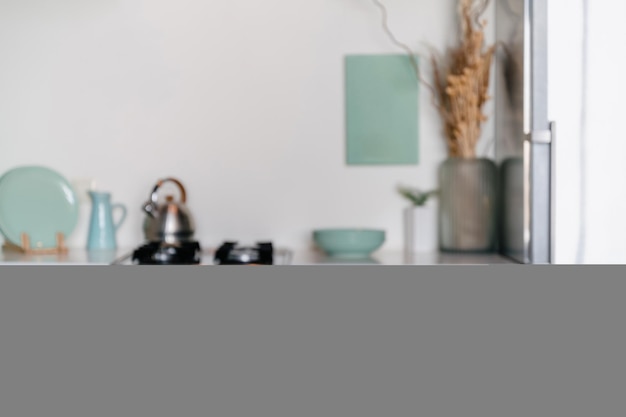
[(161, 253), (232, 254)]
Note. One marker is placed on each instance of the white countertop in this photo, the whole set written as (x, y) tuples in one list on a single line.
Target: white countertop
[(283, 256)]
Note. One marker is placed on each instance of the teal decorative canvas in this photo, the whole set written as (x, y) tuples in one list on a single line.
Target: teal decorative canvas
[(381, 110)]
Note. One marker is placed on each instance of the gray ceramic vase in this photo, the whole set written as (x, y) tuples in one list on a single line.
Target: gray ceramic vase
[(468, 205)]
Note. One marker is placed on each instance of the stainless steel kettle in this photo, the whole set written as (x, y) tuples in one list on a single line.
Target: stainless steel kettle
[(169, 222)]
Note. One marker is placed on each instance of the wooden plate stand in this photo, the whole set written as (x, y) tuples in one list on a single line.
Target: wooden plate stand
[(26, 248)]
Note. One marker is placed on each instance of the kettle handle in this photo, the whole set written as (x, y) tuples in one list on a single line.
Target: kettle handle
[(183, 194)]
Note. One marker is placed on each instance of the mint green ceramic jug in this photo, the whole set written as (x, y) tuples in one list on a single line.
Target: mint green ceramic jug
[(102, 229)]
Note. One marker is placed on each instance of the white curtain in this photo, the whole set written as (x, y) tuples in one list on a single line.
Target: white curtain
[(587, 99)]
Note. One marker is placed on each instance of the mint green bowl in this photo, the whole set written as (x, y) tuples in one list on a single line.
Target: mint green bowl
[(349, 243)]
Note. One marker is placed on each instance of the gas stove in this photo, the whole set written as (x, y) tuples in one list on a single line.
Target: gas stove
[(190, 253), (231, 253), (161, 253)]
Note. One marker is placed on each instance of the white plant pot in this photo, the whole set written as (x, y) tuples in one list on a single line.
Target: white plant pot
[(421, 228)]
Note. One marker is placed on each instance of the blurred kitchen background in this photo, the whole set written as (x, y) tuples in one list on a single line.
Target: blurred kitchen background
[(244, 102)]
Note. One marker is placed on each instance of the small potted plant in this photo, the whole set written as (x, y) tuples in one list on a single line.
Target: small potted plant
[(420, 220)]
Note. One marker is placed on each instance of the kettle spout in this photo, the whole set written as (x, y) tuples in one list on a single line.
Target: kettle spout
[(150, 209)]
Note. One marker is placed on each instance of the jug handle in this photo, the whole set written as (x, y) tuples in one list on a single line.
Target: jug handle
[(124, 211), (183, 194)]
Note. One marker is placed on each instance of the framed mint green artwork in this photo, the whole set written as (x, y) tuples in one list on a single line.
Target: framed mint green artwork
[(381, 110)]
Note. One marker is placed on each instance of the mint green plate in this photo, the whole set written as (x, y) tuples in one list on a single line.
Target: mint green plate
[(37, 201)]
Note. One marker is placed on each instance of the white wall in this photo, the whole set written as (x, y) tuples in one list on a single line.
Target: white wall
[(242, 100)]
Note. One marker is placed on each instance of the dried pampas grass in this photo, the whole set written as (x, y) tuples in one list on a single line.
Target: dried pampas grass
[(461, 82)]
